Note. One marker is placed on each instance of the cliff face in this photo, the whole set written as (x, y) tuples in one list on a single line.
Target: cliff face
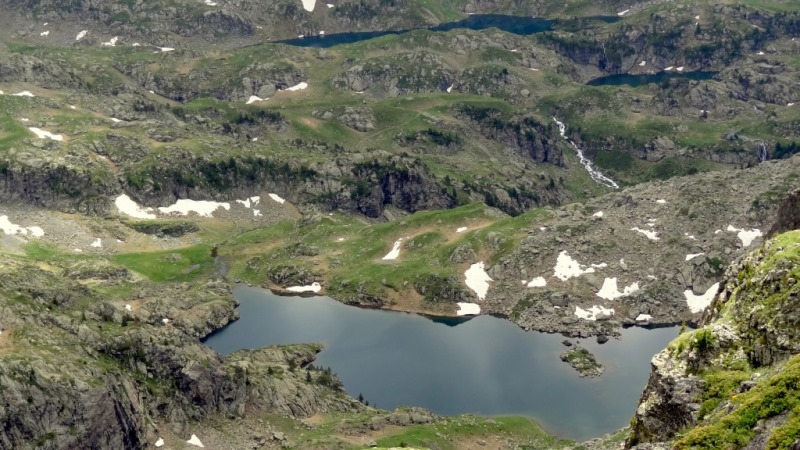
[(732, 383), (84, 370)]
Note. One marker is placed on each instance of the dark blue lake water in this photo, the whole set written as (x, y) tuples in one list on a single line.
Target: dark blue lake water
[(640, 80), (485, 365), (511, 24)]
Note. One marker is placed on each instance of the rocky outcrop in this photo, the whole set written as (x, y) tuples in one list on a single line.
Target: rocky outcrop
[(83, 370), (583, 361), (750, 328), (788, 217)]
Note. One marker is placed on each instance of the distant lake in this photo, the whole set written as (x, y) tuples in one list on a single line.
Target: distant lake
[(486, 366), (511, 24), (639, 80)]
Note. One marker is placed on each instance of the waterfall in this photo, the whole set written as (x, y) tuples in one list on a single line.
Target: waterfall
[(595, 174)]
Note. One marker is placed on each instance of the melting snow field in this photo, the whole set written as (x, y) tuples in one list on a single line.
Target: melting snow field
[(746, 236), (298, 87), (395, 252), (652, 235), (129, 207), (478, 280), (567, 268), (203, 208), (692, 256), (468, 309), (593, 313), (24, 94), (537, 282), (308, 5), (610, 291), (596, 175), (622, 13), (697, 303), (254, 99), (252, 201), (313, 287), (277, 198), (194, 440), (42, 134), (11, 228)]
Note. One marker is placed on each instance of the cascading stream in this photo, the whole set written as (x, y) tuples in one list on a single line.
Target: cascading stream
[(596, 175)]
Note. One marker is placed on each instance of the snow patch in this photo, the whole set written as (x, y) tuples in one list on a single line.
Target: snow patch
[(111, 43), (450, 89), (210, 3), (194, 440), (680, 69), (644, 318), (41, 134), (643, 63), (697, 303), (668, 69), (652, 235), (313, 287), (746, 236), (593, 313), (257, 213), (661, 201), (128, 308), (203, 208), (277, 198), (622, 13), (330, 5), (610, 291), (297, 87), (255, 98), (567, 268), (537, 282), (165, 49), (129, 207), (395, 252), (98, 243), (598, 214), (468, 309), (45, 33), (692, 256), (9, 228), (461, 229), (690, 236), (24, 94), (308, 5), (159, 443), (477, 279), (81, 35)]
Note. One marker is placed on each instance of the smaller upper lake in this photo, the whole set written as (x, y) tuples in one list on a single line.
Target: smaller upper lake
[(511, 24), (642, 79), (485, 365)]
